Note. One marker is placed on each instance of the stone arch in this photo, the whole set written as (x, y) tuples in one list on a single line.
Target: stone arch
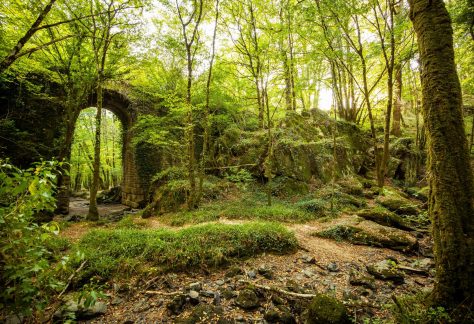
[(132, 192)]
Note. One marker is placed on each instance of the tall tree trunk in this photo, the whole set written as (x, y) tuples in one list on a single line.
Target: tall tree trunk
[(93, 214), (451, 201), (206, 121), (390, 64), (397, 107)]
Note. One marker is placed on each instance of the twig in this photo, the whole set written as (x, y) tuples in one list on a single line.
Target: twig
[(156, 292), (279, 290), (69, 280), (72, 277), (413, 270)]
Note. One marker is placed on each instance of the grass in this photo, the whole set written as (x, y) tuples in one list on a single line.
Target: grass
[(247, 208), (129, 251)]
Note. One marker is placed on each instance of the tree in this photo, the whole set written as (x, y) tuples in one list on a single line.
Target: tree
[(190, 27), (451, 201)]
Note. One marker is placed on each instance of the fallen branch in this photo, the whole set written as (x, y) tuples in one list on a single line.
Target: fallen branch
[(279, 290), (156, 292), (413, 270), (69, 280)]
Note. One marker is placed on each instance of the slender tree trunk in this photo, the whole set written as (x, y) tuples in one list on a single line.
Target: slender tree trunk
[(451, 201), (93, 214), (206, 121), (397, 107), (390, 64)]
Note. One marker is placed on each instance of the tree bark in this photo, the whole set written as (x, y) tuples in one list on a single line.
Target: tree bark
[(451, 201), (397, 107), (93, 214)]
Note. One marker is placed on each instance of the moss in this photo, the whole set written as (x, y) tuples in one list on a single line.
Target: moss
[(288, 187), (393, 201), (326, 309), (383, 216), (129, 251), (372, 234), (351, 186)]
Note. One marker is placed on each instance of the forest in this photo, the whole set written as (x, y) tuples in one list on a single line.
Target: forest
[(237, 161)]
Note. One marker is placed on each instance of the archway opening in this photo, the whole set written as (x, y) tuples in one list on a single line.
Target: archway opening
[(82, 152)]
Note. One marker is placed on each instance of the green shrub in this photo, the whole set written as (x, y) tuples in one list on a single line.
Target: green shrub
[(27, 276), (313, 206), (417, 308), (125, 251)]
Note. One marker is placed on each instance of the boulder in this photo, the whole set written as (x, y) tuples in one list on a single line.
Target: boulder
[(372, 234), (247, 300), (386, 270), (327, 310), (384, 217)]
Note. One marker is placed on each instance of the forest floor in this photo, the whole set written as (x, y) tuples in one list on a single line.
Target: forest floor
[(283, 284)]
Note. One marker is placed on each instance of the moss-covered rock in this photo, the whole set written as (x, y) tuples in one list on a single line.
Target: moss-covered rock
[(394, 201), (351, 186), (324, 309), (284, 187), (302, 149), (371, 234), (247, 300), (280, 314), (386, 270), (205, 313), (385, 217)]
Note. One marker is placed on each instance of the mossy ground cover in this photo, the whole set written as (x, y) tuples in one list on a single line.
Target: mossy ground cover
[(119, 252), (251, 204)]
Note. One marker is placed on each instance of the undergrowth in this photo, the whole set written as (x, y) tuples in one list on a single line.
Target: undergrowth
[(129, 251)]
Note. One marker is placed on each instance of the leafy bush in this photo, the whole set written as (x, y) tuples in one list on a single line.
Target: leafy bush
[(126, 251), (313, 205), (417, 308), (26, 275)]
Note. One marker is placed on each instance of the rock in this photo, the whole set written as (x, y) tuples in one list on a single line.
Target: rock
[(217, 299), (266, 272), (204, 313), (116, 301), (247, 300), (386, 270), (251, 274), (372, 234), (293, 286), (234, 271), (398, 204), (423, 264), (347, 294), (220, 282), (197, 286), (332, 267), (384, 217), (228, 294), (194, 297), (141, 306), (357, 278), (308, 273), (176, 305), (207, 293), (308, 259), (80, 312), (280, 314), (326, 309)]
